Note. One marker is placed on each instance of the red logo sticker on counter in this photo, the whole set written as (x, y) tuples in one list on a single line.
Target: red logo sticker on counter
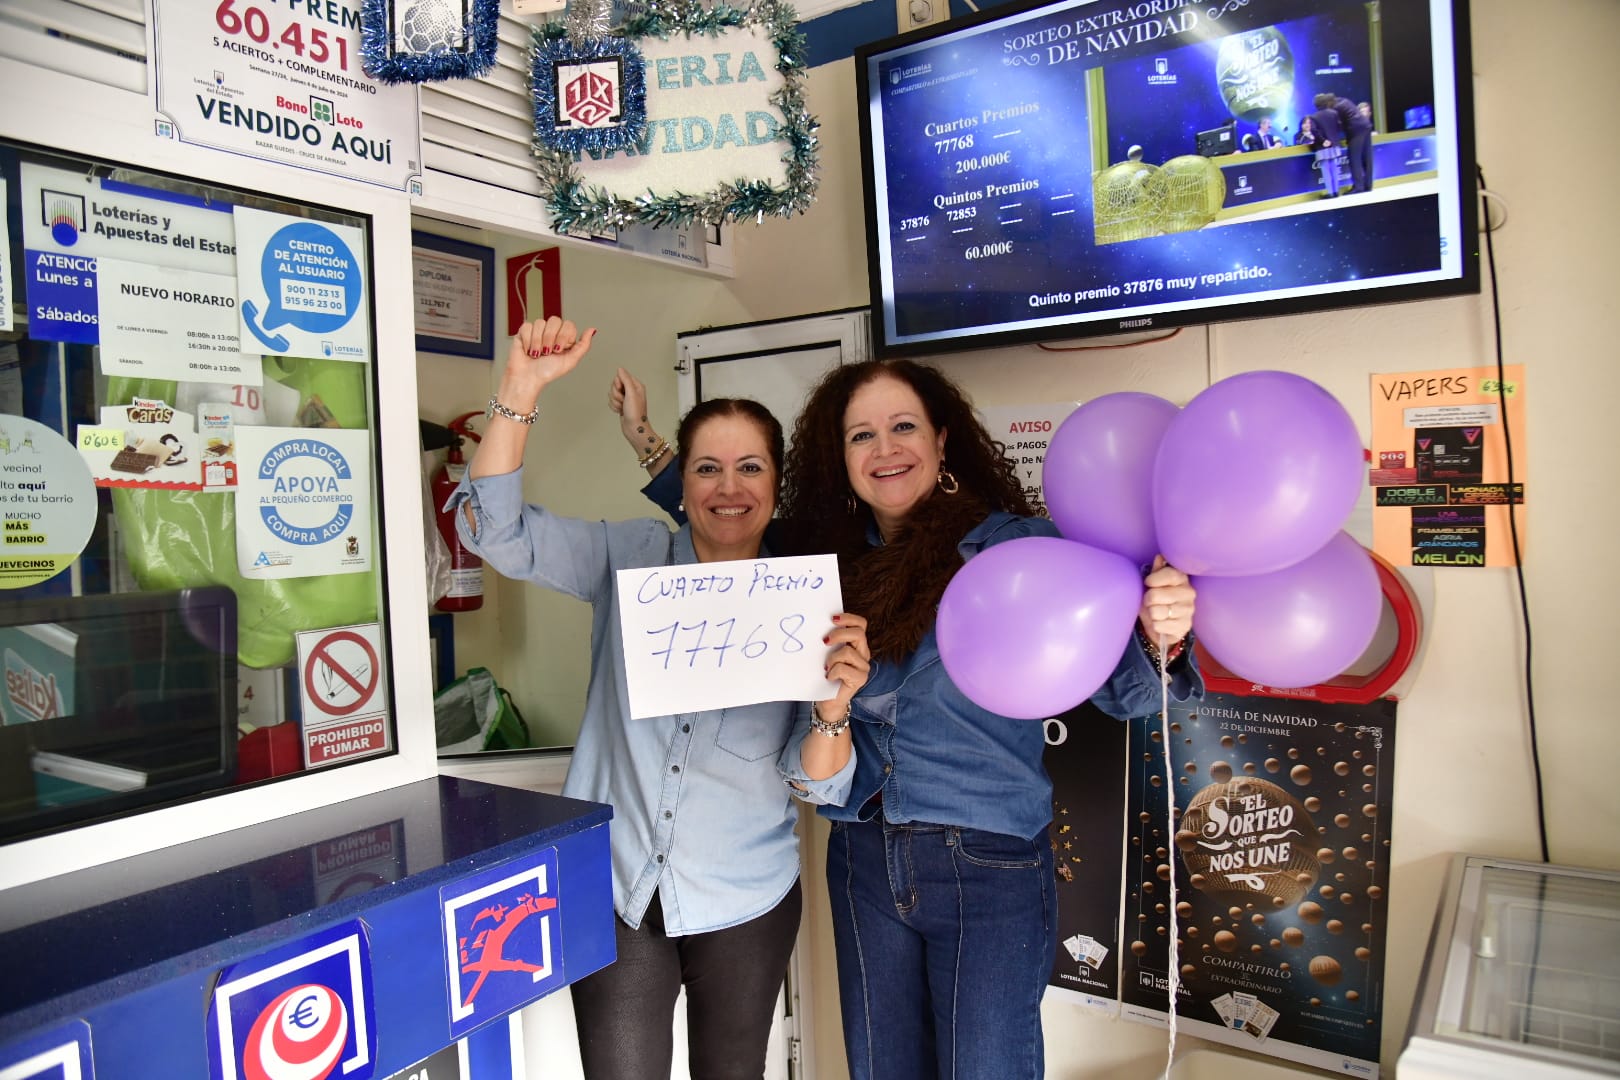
[(502, 939), (340, 686), (301, 1012)]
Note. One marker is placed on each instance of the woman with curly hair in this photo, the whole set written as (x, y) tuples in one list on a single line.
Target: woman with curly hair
[(940, 863)]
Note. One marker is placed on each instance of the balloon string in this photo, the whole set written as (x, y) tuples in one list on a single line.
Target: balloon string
[(1173, 983)]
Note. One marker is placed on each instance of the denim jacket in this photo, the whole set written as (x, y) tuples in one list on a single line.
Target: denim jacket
[(700, 810), (936, 756)]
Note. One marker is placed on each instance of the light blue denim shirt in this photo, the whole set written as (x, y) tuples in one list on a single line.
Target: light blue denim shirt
[(700, 811)]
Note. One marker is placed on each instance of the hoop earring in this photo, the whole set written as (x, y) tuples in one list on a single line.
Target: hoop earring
[(947, 482), (853, 506)]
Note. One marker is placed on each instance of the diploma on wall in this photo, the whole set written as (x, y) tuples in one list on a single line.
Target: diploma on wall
[(721, 634)]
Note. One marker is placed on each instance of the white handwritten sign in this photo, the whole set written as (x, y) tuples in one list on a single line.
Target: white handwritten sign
[(713, 635)]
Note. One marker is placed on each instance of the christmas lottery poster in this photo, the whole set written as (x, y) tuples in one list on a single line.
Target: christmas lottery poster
[(1280, 860), (1085, 757)]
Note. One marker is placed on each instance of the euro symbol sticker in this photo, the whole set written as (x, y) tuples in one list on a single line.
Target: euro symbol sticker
[(303, 1014)]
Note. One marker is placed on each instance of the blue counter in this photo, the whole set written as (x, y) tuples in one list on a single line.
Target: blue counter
[(353, 941)]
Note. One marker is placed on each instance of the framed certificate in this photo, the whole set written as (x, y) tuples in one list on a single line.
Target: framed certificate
[(454, 287)]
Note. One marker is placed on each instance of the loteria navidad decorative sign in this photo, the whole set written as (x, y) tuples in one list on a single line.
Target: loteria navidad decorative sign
[(684, 114)]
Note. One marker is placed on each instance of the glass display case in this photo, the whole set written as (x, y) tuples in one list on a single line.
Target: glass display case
[(191, 589), (1522, 976)]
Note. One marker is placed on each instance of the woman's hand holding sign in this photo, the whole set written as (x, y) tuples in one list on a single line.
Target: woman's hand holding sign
[(827, 748), (849, 664)]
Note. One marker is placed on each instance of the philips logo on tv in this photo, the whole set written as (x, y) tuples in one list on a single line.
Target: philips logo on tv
[(1132, 324)]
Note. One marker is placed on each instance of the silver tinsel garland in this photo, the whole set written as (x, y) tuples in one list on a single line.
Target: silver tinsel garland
[(588, 20), (575, 205), (383, 62)]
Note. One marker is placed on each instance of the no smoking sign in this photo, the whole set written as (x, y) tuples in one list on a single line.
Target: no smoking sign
[(339, 681)]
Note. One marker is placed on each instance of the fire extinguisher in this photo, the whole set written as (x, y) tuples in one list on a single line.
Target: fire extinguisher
[(466, 569)]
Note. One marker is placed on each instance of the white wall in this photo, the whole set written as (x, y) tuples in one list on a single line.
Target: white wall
[(1543, 81)]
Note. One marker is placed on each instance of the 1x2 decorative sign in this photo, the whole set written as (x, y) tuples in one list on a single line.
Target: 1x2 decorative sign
[(707, 124)]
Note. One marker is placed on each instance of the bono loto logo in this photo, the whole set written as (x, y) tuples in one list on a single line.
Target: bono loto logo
[(303, 1012)]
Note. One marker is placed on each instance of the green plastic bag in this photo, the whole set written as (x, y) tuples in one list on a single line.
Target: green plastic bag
[(474, 713), (183, 539)]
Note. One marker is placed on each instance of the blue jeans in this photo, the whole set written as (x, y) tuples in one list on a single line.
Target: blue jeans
[(945, 938)]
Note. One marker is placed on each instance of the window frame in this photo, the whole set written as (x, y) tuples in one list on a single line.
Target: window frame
[(64, 112)]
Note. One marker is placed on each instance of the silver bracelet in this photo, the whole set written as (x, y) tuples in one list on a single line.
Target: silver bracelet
[(833, 730), (497, 409)]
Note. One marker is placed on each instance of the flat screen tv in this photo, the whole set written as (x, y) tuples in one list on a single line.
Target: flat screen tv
[(1058, 170)]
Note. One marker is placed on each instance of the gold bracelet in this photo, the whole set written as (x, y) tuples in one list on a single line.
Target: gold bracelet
[(654, 454)]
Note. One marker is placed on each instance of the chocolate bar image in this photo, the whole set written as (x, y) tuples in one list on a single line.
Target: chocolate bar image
[(131, 460)]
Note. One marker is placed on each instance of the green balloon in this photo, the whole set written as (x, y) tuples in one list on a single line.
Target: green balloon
[(1255, 72)]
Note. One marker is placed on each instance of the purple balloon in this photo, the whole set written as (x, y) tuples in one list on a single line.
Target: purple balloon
[(1098, 476), (1257, 472), (1298, 626), (1032, 627)]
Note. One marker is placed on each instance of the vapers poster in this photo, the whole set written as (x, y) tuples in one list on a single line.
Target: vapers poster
[(1440, 469), (1279, 854)]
